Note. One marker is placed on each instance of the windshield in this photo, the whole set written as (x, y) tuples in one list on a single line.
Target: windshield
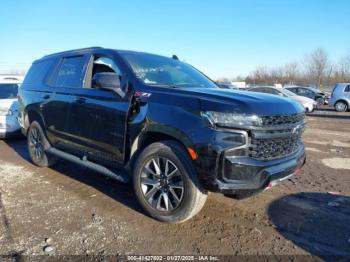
[(8, 91), (163, 71), (287, 92)]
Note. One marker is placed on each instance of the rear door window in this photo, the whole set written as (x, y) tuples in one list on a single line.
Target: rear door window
[(71, 72)]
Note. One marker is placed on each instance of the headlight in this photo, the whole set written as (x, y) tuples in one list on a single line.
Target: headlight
[(231, 119), (5, 112)]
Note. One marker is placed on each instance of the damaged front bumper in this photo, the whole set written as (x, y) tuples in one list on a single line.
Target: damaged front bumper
[(244, 177)]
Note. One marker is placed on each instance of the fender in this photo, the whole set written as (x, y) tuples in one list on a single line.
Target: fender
[(167, 132), (30, 113)]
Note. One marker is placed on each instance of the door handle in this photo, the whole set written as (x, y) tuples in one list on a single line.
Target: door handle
[(46, 97), (80, 100)]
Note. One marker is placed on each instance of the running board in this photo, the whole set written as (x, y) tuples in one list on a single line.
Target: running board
[(88, 164)]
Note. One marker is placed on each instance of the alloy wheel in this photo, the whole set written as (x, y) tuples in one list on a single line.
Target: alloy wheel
[(340, 106), (35, 143), (162, 184)]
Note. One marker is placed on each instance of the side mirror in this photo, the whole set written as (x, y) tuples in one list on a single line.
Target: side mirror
[(108, 81)]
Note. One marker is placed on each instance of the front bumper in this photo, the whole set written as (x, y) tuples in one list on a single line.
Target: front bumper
[(242, 163), (243, 176)]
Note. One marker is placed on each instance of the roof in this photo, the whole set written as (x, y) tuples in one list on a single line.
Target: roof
[(77, 51), (92, 49)]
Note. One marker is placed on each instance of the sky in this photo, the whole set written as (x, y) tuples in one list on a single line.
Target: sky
[(223, 38)]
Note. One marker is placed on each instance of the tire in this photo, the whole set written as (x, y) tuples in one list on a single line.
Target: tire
[(320, 102), (37, 144), (155, 183), (341, 106)]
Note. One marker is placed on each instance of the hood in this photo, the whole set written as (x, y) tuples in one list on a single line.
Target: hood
[(9, 104), (225, 100), (303, 99)]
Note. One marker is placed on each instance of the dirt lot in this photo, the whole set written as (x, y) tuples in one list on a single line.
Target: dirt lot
[(82, 212)]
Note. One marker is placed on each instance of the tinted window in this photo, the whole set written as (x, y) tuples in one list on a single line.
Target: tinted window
[(304, 91), (276, 92), (8, 91), (347, 88), (294, 90), (38, 71), (259, 89), (71, 72), (271, 91)]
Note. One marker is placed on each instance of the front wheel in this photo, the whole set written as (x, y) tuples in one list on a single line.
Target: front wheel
[(166, 184), (320, 102), (37, 146)]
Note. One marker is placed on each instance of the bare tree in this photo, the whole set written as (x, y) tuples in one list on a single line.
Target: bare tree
[(344, 69), (291, 71), (318, 65), (318, 69)]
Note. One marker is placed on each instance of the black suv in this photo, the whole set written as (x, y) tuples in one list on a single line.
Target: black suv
[(162, 124)]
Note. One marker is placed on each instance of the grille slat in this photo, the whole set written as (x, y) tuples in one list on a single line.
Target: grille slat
[(277, 120), (267, 149), (276, 143)]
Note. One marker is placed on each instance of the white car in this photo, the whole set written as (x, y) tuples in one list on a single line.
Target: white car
[(9, 125), (308, 103)]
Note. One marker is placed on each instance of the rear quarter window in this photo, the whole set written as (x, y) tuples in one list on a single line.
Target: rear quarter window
[(347, 88), (38, 72)]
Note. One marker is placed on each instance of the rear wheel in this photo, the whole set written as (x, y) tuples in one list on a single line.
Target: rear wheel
[(341, 106), (309, 110), (166, 184), (37, 146)]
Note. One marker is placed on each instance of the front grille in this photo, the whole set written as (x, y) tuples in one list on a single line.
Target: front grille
[(277, 120), (268, 149), (278, 136)]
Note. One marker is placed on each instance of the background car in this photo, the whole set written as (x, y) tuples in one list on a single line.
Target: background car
[(340, 98), (307, 103), (310, 92), (227, 86), (9, 125)]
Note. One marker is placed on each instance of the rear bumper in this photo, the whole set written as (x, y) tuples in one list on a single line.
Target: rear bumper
[(243, 176)]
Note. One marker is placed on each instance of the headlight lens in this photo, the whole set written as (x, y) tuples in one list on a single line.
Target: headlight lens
[(5, 111), (231, 119)]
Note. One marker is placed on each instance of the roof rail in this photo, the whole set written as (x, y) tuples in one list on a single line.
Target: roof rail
[(73, 51)]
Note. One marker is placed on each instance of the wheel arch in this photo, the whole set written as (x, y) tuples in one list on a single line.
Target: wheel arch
[(155, 134), (342, 100), (30, 115)]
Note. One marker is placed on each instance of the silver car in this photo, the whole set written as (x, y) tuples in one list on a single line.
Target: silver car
[(9, 125), (340, 98)]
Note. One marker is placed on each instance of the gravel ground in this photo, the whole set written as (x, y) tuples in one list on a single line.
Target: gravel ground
[(69, 210)]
